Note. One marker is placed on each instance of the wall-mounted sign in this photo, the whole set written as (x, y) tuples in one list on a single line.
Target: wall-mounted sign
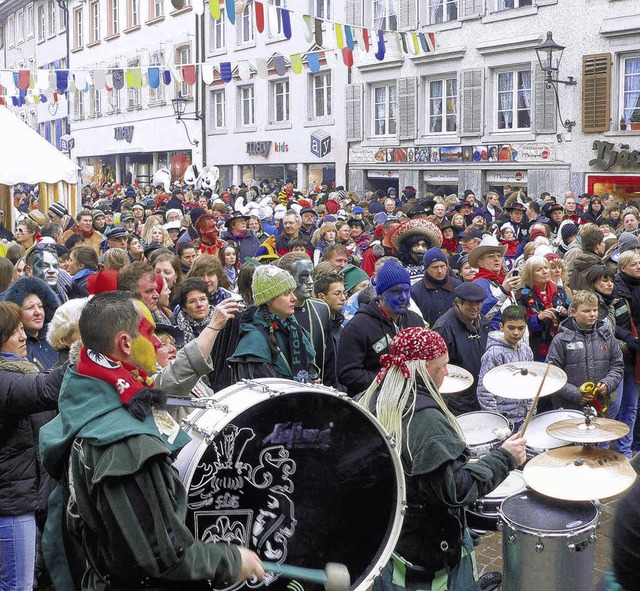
[(608, 155), (441, 176), (507, 176), (320, 143), (259, 148), (281, 147), (124, 132)]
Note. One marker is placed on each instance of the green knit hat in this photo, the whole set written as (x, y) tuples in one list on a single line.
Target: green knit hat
[(269, 282)]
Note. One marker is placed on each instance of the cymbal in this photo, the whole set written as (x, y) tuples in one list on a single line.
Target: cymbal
[(579, 473), (598, 430), (520, 380), (458, 380)]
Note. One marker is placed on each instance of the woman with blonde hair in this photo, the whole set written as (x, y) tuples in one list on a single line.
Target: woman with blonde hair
[(115, 258), (324, 236), (151, 222)]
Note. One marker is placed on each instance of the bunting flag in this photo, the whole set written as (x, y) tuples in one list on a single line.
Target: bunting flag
[(285, 17), (24, 77), (153, 76), (118, 79), (279, 65), (166, 77), (189, 75), (308, 23), (226, 72), (348, 37), (347, 57), (314, 62), (134, 78), (231, 10), (258, 8), (296, 63), (381, 47), (62, 80), (214, 10), (244, 71), (317, 26), (208, 73), (339, 38)]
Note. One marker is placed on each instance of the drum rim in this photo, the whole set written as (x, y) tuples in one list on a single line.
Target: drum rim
[(488, 442), (394, 526)]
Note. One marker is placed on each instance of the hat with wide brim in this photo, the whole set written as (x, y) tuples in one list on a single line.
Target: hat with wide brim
[(488, 244), (417, 227), (236, 215)]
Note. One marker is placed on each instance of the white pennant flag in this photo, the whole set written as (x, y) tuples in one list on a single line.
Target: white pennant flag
[(207, 73)]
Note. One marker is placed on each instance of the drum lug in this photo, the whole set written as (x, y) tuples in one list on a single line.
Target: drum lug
[(262, 388), (403, 509), (500, 525), (539, 546), (511, 538)]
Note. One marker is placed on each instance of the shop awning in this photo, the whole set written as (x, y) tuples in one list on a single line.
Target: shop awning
[(26, 157)]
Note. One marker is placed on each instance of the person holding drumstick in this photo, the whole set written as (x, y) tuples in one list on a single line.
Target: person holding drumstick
[(434, 550)]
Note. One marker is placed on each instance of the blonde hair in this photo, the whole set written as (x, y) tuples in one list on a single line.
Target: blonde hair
[(115, 258), (583, 298), (64, 323), (530, 267)]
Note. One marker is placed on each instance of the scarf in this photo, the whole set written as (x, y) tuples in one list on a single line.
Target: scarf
[(450, 245), (486, 274), (209, 248), (135, 388), (546, 297), (473, 326), (433, 283), (297, 358), (84, 234), (190, 327)]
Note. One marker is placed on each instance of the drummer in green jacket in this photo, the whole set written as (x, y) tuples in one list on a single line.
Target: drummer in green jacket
[(434, 550), (120, 505)]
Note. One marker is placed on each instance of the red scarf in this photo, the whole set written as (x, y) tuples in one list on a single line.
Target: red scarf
[(486, 274), (211, 249), (450, 244), (84, 234), (546, 297), (127, 379)]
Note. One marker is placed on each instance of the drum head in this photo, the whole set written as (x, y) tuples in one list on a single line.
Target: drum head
[(532, 511), (537, 436), (303, 478), (483, 427), (512, 484)]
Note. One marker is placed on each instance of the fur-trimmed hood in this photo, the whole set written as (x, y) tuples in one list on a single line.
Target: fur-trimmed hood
[(28, 285)]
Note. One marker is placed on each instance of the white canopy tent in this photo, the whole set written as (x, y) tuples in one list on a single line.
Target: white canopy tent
[(26, 157)]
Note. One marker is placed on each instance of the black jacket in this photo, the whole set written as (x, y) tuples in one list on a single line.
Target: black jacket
[(364, 339), (28, 400)]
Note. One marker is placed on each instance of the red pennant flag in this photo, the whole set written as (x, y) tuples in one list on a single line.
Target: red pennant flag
[(347, 57), (189, 75), (259, 8), (365, 38), (23, 79), (55, 97)]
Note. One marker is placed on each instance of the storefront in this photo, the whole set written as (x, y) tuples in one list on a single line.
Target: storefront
[(619, 171)]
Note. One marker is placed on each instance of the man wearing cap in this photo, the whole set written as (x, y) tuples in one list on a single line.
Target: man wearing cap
[(99, 221), (85, 229), (116, 238), (514, 214), (468, 240), (308, 216), (555, 213), (369, 333), (176, 201), (434, 294), (58, 213), (128, 221), (236, 233), (488, 257), (465, 330), (377, 199)]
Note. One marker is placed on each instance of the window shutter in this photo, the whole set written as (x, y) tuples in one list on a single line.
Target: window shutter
[(408, 15), (471, 123), (354, 12), (471, 8), (354, 112), (545, 105), (596, 92), (407, 108)]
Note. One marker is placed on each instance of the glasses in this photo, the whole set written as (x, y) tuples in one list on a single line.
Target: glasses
[(20, 230)]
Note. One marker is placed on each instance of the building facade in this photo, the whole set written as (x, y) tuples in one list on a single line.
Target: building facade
[(477, 114)]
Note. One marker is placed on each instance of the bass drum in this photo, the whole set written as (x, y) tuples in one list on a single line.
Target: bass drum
[(299, 473)]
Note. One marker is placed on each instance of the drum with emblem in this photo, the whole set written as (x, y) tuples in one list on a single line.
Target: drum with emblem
[(299, 473)]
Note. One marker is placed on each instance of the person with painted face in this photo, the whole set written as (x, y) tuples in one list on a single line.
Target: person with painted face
[(109, 419), (312, 314), (43, 263), (207, 241), (368, 334), (412, 239)]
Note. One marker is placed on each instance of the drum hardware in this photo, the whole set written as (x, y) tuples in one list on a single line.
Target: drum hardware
[(521, 379), (601, 402), (334, 577)]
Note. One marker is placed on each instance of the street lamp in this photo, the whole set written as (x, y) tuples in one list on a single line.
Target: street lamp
[(179, 107), (549, 57)]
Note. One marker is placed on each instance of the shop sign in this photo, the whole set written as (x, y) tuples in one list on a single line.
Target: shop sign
[(500, 178), (441, 176), (379, 174), (607, 156), (259, 148), (453, 154), (320, 143), (124, 132)]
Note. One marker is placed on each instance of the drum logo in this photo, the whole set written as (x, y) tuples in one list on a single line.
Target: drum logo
[(294, 435), (245, 502)]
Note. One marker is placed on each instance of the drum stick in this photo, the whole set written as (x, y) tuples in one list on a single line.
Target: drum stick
[(532, 410), (335, 576)]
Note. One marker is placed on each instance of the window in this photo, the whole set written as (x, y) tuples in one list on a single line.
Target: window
[(631, 89), (441, 11), (94, 21), (514, 99), (385, 105), (156, 9), (183, 56), (156, 95), (218, 110), (247, 111), (113, 98), (77, 28), (321, 9), (244, 23), (96, 103), (78, 105), (133, 13), (11, 31), (114, 18), (42, 22), (443, 105), (321, 95), (507, 4), (280, 101), (218, 27), (62, 21), (30, 21), (51, 16), (385, 15), (275, 29), (20, 26), (133, 94)]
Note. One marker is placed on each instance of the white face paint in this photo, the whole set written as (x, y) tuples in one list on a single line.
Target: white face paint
[(45, 267)]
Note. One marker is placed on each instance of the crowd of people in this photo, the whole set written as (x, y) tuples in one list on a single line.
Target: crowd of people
[(148, 293)]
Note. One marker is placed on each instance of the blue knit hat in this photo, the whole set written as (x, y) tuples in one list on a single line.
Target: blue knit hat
[(432, 255), (391, 274)]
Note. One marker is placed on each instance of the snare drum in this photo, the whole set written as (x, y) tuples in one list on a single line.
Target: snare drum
[(546, 543), (483, 514), (299, 473), (538, 440), (484, 431)]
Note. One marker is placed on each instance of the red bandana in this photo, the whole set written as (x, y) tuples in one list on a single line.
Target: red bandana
[(127, 379)]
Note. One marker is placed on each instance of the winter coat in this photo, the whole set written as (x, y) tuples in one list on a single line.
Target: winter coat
[(28, 400), (499, 352), (247, 245), (497, 300), (363, 341), (434, 300), (586, 355), (628, 290), (580, 264), (465, 349)]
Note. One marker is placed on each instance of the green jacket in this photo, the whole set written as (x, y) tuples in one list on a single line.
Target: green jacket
[(126, 506)]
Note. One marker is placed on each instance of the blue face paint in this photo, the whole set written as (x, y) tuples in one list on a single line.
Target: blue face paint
[(396, 299)]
